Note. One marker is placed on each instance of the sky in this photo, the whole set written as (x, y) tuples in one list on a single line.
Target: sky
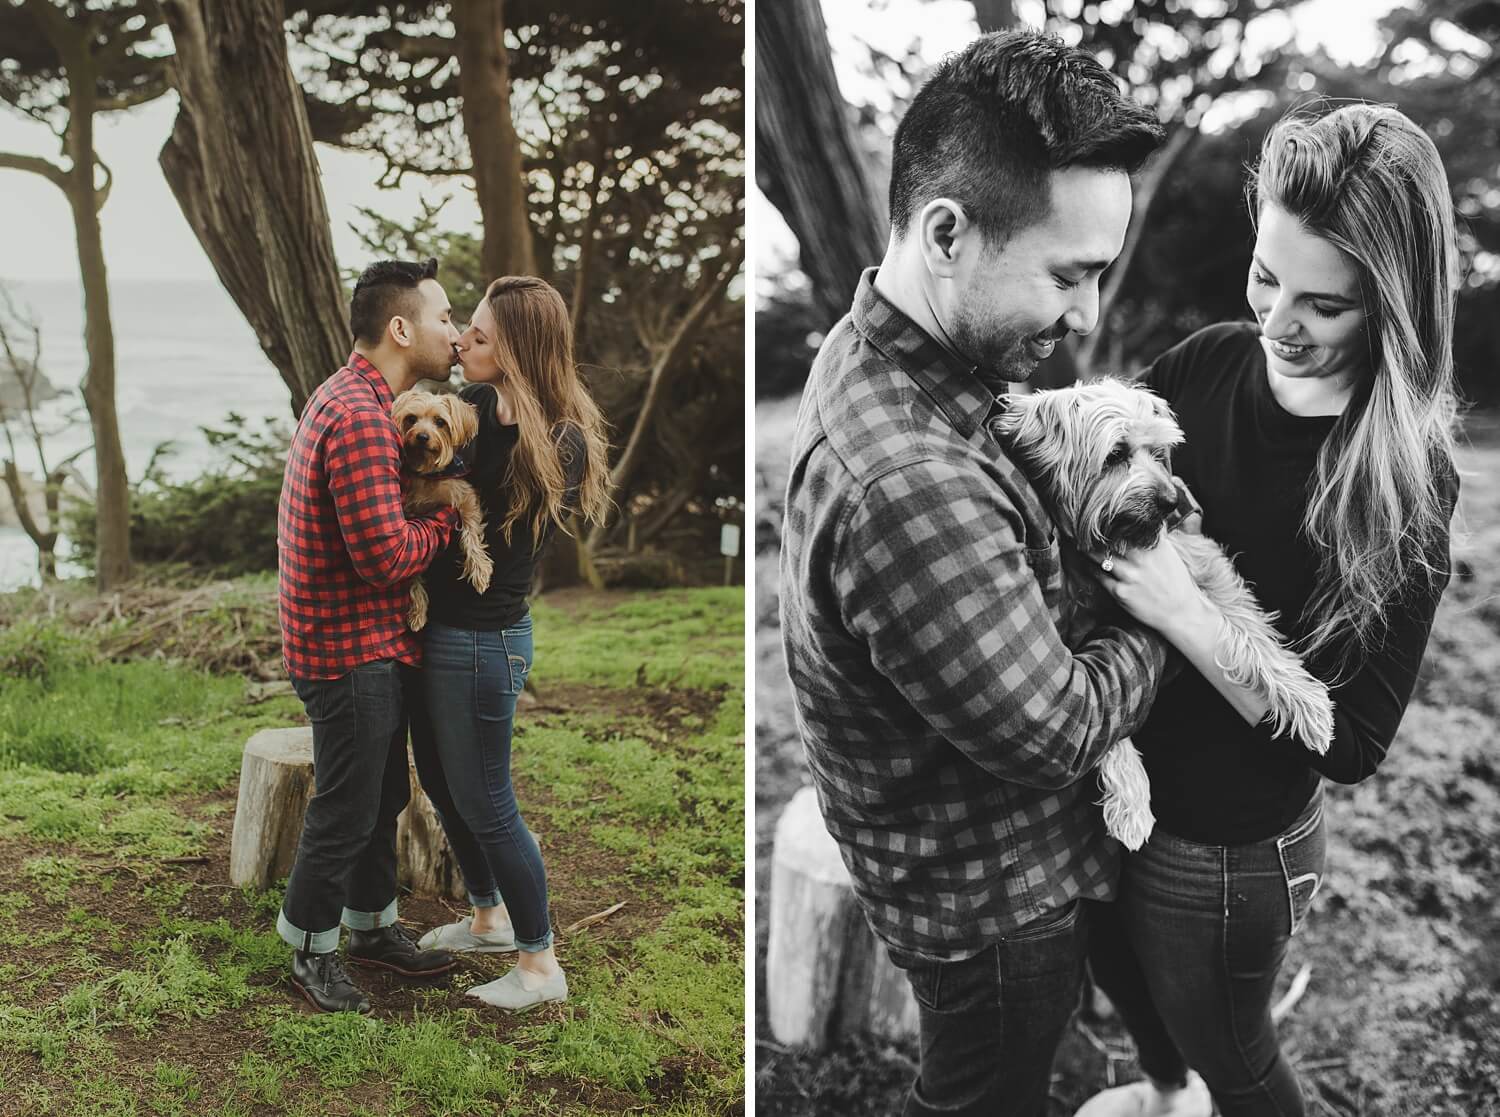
[(1347, 31), (145, 234)]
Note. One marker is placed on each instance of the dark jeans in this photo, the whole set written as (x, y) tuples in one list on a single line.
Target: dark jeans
[(346, 860), (460, 736), (1190, 954), (992, 1023)]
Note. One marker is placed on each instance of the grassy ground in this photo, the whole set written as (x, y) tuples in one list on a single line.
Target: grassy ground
[(135, 980), (1402, 1012)]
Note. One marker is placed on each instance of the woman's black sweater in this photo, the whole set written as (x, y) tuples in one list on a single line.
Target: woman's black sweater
[(1215, 779)]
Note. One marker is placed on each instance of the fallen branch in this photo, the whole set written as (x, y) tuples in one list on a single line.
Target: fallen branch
[(197, 859), (590, 920)]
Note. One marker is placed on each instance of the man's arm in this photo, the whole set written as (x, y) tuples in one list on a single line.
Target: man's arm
[(933, 576), (363, 459)]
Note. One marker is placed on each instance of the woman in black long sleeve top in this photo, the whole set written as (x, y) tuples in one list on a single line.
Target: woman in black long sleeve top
[(1319, 444), (539, 456)]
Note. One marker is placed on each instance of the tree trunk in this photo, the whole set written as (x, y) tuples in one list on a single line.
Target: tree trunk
[(112, 485), (667, 360), (827, 976), (568, 562), (809, 163), (499, 181), (995, 15), (1146, 188), (242, 167)]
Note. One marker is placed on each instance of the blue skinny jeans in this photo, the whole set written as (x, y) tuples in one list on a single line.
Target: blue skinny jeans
[(460, 732), (1190, 952)]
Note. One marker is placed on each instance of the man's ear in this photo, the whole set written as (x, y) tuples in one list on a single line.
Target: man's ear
[(398, 329), (944, 231)]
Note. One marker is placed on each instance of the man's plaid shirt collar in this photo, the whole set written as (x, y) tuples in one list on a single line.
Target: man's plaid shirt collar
[(373, 376), (953, 384)]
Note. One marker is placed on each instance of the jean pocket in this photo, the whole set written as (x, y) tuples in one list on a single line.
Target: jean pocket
[(518, 671), (374, 680), (966, 986), (1302, 850)]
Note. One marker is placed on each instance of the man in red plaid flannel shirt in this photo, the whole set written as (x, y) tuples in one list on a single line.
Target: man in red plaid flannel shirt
[(347, 557), (950, 732)]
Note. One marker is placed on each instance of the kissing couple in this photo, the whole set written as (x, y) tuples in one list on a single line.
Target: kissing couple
[(532, 448)]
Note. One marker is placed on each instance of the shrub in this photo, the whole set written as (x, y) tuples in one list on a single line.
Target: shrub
[(223, 521), (32, 649)]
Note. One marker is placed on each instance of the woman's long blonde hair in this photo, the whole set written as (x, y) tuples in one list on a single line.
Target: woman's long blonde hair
[(1370, 182), (534, 350)]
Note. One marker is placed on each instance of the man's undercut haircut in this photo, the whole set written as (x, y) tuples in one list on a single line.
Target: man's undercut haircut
[(993, 122), (387, 289)]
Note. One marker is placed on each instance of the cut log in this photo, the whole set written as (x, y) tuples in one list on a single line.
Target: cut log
[(827, 975), (276, 781)]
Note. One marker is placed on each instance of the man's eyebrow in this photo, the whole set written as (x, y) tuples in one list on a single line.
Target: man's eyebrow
[(1087, 265), (1327, 296)]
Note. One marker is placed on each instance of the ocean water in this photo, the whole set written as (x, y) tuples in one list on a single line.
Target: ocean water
[(184, 358)]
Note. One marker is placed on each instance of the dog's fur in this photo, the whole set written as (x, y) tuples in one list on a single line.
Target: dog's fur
[(432, 427), (1099, 456)]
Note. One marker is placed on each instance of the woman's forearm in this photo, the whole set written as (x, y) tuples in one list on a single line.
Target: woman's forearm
[(1195, 632)]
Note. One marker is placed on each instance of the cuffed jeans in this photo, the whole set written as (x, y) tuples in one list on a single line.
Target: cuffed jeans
[(1190, 954), (346, 859), (461, 731), (991, 1024)]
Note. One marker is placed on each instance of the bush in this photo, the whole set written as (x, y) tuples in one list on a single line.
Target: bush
[(32, 649), (223, 521)]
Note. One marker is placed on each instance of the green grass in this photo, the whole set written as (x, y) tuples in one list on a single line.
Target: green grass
[(680, 638), (98, 759)]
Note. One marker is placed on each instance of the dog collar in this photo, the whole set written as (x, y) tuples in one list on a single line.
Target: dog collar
[(458, 467)]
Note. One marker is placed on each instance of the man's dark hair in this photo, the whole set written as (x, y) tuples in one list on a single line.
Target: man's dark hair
[(993, 122), (386, 289)]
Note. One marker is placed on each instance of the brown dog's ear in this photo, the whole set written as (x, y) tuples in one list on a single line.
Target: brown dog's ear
[(407, 403), (462, 419)]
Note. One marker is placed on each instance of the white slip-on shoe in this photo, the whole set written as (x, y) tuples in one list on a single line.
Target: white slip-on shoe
[(461, 938), (512, 992), (1145, 1099)]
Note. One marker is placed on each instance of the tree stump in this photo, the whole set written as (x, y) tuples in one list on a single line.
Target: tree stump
[(424, 859), (826, 973), (276, 782)]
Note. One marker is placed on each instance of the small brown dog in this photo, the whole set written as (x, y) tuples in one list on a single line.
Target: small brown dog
[(432, 429), (1099, 456)]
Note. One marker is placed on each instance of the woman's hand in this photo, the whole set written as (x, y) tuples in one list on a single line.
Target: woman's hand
[(1153, 585)]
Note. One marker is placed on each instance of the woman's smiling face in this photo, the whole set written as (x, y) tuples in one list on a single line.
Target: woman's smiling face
[(1306, 297)]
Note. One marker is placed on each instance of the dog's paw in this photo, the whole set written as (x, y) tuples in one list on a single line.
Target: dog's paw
[(1127, 796), (479, 568)]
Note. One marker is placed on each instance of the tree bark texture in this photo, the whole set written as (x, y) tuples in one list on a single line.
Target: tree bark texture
[(241, 163), (500, 183), (809, 163)]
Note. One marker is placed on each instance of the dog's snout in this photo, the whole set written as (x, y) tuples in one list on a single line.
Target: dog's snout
[(1166, 497), (420, 439)]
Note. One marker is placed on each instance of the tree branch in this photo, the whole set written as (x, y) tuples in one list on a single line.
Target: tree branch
[(36, 165)]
